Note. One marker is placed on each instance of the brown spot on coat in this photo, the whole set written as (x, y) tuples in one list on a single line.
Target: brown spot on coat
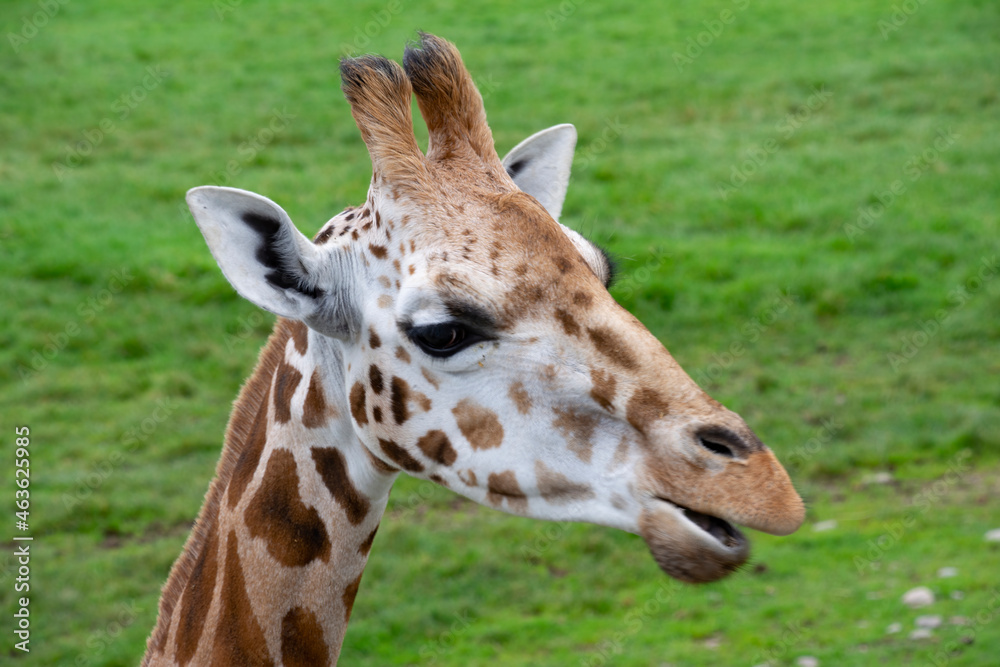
[(578, 429), (373, 340), (196, 600), (377, 414), (480, 426), (430, 377), (302, 641), (568, 323), (582, 299), (468, 476), (366, 546), (398, 396), (384, 301), (358, 409), (332, 467), (246, 464), (621, 454), (605, 388), (400, 456), (436, 446), (557, 488), (300, 335), (608, 344), (375, 379), (520, 396), (402, 355), (549, 374), (563, 264), (379, 464), (379, 251), (238, 637), (293, 532), (504, 485), (422, 400), (286, 381), (323, 236), (350, 593), (645, 407), (315, 409)]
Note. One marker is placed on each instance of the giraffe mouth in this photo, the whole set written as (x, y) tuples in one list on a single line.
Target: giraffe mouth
[(723, 531), (690, 545)]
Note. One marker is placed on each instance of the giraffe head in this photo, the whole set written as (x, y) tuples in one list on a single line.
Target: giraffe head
[(474, 339)]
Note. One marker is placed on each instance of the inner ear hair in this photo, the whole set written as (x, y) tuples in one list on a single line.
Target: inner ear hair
[(610, 264), (276, 246)]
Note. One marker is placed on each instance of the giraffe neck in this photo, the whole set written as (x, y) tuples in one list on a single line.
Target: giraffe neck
[(272, 566)]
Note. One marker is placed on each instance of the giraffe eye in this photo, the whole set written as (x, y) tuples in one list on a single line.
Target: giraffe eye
[(445, 339)]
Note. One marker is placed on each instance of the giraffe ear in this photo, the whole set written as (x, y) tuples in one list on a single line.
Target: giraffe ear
[(270, 263), (541, 163)]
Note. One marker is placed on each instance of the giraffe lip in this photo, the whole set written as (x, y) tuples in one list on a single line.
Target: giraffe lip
[(689, 545), (724, 532)]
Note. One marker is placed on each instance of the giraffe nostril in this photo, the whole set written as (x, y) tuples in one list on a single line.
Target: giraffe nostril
[(716, 447), (723, 441)]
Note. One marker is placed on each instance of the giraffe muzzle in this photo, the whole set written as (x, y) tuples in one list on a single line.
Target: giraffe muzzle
[(691, 546), (696, 488)]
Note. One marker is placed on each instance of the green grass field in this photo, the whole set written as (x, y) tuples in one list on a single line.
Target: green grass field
[(806, 207)]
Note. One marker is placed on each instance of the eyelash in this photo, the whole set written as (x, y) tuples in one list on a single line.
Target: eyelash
[(456, 337)]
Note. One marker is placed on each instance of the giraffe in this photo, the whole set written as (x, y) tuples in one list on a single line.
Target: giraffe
[(452, 329)]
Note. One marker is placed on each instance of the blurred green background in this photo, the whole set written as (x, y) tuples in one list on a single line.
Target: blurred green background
[(804, 201)]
